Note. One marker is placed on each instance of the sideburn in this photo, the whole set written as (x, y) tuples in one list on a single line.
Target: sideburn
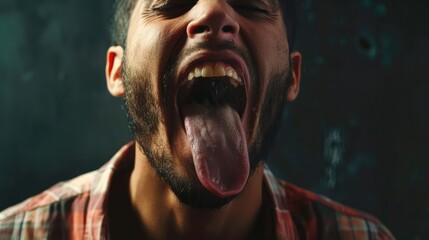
[(143, 111)]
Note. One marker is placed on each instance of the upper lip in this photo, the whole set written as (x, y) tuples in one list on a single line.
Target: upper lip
[(226, 57)]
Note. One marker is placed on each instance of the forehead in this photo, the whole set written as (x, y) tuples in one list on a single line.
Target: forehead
[(149, 2)]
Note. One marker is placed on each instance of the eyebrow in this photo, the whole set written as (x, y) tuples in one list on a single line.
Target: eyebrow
[(147, 3), (275, 3), (272, 3)]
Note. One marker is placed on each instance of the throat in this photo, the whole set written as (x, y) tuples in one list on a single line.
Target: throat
[(158, 209)]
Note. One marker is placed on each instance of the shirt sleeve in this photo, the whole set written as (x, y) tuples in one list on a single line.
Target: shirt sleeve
[(384, 233)]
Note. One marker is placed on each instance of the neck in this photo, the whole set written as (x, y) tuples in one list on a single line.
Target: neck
[(158, 208)]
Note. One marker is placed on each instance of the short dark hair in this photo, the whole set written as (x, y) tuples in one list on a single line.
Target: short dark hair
[(124, 8), (289, 17)]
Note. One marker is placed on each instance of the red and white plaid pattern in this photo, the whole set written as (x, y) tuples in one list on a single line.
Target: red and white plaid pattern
[(77, 209)]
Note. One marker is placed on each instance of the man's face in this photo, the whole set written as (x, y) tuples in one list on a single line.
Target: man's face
[(205, 83)]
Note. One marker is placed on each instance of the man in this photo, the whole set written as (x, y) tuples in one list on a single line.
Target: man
[(204, 84)]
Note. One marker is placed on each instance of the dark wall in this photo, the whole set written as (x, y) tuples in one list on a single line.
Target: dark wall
[(57, 118), (358, 132)]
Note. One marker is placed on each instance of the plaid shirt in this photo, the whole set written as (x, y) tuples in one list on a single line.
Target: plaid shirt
[(77, 209)]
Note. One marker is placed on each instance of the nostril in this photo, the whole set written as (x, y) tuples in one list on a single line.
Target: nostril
[(214, 24), (201, 29), (227, 29)]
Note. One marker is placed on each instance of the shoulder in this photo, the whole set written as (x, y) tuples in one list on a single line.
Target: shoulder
[(44, 215), (331, 219)]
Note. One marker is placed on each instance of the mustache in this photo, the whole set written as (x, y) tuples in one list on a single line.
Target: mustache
[(219, 46)]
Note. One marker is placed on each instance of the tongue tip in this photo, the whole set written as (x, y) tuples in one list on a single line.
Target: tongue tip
[(220, 190), (222, 187)]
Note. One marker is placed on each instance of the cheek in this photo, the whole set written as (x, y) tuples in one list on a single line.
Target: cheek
[(147, 53), (273, 52), (153, 45), (142, 48), (270, 54), (268, 43)]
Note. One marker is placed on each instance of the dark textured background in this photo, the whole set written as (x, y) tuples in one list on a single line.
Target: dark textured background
[(358, 132)]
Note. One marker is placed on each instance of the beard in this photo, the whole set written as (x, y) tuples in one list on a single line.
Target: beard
[(146, 113)]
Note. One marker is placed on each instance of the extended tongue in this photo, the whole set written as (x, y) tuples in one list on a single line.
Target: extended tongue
[(219, 148)]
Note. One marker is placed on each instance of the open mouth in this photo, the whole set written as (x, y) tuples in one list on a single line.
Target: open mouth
[(213, 85), (211, 102)]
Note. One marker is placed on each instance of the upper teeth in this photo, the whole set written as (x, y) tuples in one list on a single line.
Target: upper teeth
[(215, 70)]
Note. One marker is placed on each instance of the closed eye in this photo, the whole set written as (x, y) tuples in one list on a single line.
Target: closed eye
[(251, 9), (172, 8)]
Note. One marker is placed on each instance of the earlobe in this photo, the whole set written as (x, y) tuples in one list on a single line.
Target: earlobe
[(296, 58), (113, 71)]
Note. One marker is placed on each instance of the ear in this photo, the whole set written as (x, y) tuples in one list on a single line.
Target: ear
[(296, 76), (113, 71)]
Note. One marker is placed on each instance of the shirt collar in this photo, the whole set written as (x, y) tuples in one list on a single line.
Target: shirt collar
[(285, 228), (97, 224)]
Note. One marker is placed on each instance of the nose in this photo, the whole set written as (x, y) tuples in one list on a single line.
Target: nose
[(214, 19)]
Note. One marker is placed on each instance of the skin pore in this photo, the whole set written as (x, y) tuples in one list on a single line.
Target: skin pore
[(161, 40)]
